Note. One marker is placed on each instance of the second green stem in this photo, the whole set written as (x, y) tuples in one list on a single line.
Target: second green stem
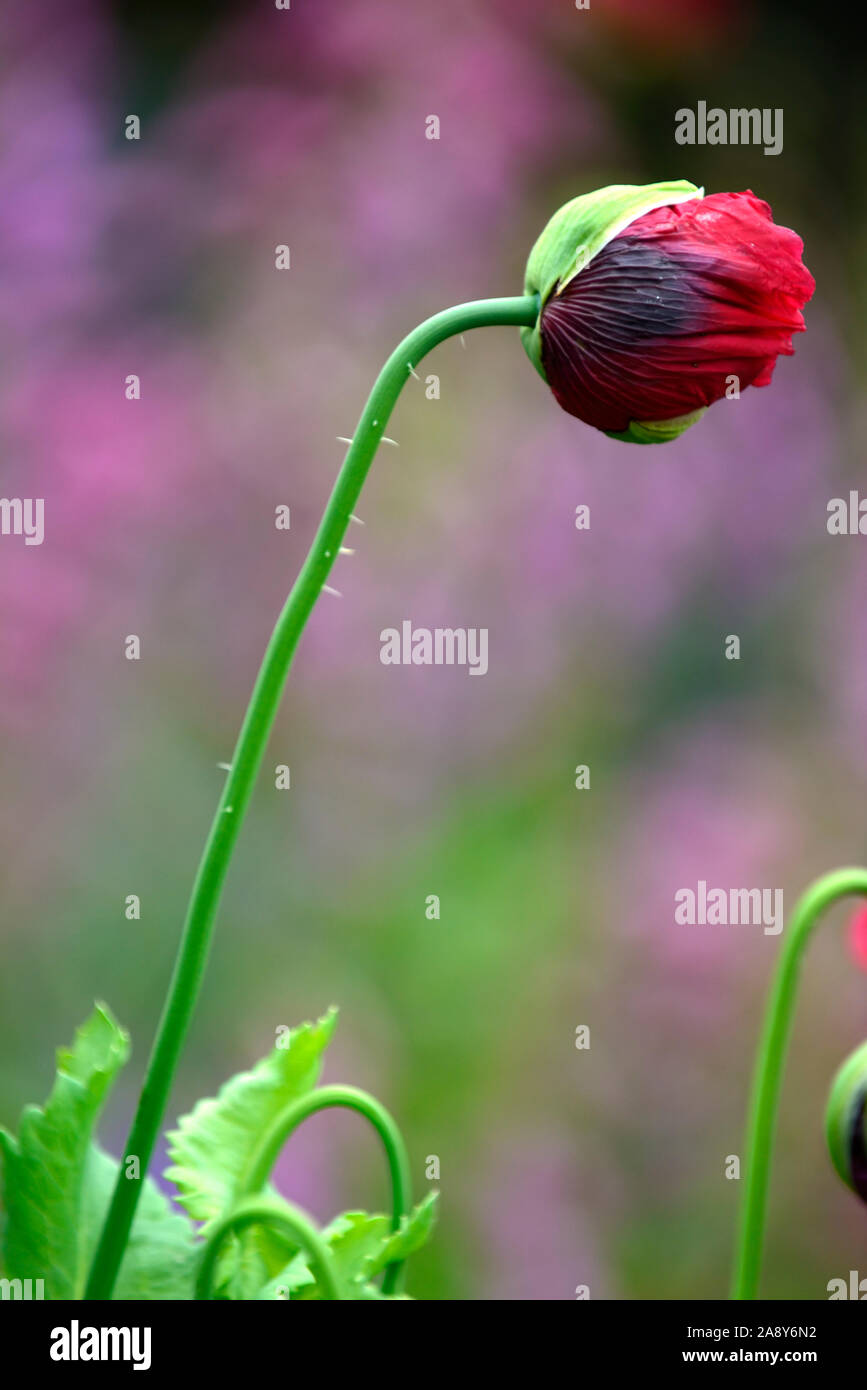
[(770, 1066)]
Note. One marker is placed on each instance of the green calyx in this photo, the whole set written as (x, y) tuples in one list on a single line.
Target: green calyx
[(657, 431), (575, 234), (845, 1103)]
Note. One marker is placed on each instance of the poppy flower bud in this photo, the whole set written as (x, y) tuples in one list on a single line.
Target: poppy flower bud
[(845, 1127), (656, 300)]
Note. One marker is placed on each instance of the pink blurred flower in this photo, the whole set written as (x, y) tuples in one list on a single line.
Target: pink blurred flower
[(858, 937)]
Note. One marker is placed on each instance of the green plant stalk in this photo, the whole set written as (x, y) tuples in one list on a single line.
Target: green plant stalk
[(770, 1067), (348, 1097), (249, 750), (272, 1212)]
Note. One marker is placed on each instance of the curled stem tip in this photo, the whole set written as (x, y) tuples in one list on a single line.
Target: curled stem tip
[(349, 1098), (295, 1223)]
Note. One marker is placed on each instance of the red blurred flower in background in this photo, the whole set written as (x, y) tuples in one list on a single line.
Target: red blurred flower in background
[(682, 300), (858, 937)]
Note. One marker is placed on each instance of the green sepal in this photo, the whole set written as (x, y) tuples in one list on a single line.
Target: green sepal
[(361, 1244), (657, 431), (579, 230), (846, 1099)]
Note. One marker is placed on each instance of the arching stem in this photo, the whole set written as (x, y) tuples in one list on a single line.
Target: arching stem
[(258, 720), (270, 1212), (770, 1068), (327, 1097)]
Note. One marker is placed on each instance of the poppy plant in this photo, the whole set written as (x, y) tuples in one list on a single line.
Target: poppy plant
[(639, 303)]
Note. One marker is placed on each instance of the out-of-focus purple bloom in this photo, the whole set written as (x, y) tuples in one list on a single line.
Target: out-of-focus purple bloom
[(537, 1245)]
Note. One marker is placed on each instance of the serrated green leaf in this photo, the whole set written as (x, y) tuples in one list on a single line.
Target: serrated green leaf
[(57, 1184), (413, 1233), (354, 1238), (44, 1167), (213, 1147), (163, 1252), (362, 1245)]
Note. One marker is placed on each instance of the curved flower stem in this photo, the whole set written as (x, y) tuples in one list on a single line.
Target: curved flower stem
[(258, 720), (269, 1212), (324, 1098), (770, 1067)]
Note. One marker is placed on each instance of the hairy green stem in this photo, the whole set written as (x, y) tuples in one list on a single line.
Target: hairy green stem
[(770, 1068), (258, 720), (327, 1097), (272, 1212)]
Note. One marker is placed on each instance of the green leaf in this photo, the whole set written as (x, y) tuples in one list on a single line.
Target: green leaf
[(43, 1169), (163, 1252), (362, 1245), (413, 1233), (354, 1239), (371, 1291), (57, 1184), (213, 1147)]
